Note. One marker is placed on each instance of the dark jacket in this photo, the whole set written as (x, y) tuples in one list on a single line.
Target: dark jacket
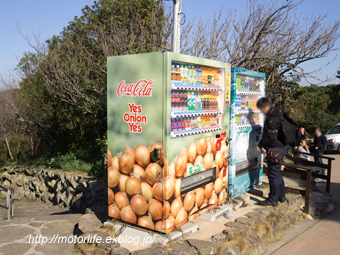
[(272, 132), (299, 137), (320, 142)]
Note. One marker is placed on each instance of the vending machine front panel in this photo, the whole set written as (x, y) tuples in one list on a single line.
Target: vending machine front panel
[(245, 169)]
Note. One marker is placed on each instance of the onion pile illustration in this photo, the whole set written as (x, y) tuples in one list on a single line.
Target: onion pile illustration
[(146, 192)]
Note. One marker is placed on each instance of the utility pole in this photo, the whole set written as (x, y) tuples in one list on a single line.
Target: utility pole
[(177, 26), (337, 77)]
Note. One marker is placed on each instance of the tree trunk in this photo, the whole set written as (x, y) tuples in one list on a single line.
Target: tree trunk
[(8, 149), (32, 145), (18, 150)]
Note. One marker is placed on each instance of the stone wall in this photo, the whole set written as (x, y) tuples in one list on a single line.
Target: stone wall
[(66, 189)]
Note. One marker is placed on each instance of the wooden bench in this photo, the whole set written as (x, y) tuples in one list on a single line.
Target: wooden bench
[(305, 170)]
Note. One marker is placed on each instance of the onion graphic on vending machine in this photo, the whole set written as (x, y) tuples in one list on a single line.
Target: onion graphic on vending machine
[(147, 192)]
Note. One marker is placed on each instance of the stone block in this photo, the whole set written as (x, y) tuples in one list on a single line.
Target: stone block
[(262, 192), (181, 248), (156, 250), (231, 250), (89, 222), (204, 247)]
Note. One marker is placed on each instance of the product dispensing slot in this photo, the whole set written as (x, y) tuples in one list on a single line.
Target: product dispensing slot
[(246, 166), (198, 180)]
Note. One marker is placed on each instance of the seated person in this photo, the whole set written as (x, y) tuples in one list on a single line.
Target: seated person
[(303, 147)]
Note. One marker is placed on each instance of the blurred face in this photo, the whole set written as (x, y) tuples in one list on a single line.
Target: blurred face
[(317, 132), (265, 109), (303, 143)]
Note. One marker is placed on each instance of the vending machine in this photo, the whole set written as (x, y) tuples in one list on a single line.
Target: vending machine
[(168, 121), (246, 122)]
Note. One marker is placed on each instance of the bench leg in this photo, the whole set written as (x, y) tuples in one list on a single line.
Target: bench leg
[(308, 191), (328, 186)]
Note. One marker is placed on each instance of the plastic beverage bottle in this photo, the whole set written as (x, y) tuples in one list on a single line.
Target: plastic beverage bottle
[(193, 75), (178, 72), (186, 74), (182, 70), (200, 75), (173, 73)]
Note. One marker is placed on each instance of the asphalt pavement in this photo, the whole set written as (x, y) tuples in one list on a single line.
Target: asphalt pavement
[(324, 236)]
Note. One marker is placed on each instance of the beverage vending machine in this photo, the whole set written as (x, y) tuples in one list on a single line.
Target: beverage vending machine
[(168, 120), (246, 122)]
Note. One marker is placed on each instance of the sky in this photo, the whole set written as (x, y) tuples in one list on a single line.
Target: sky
[(49, 18)]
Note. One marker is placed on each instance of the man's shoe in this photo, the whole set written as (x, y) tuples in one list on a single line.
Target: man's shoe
[(267, 203), (282, 200)]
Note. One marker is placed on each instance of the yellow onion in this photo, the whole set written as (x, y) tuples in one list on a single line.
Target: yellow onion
[(189, 165), (126, 162), (198, 160), (181, 218), (110, 196), (226, 180), (146, 191), (155, 209), (132, 186), (205, 203), (113, 211), (157, 145), (169, 224), (218, 185), (109, 162), (193, 211), (164, 190), (199, 196), (138, 172), (221, 173), (131, 151), (208, 159), (208, 190), (169, 170), (152, 173), (128, 215), (121, 199), (189, 201), (177, 188), (176, 206), (213, 199), (166, 209), (157, 191), (109, 154), (142, 155), (139, 205), (146, 222), (213, 146), (180, 165), (192, 152), (222, 196), (122, 181), (201, 146), (225, 158), (115, 162), (219, 159), (112, 177), (168, 186)]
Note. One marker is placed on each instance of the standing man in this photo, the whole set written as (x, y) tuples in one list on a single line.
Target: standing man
[(273, 141), (320, 142)]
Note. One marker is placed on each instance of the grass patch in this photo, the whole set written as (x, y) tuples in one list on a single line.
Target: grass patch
[(88, 249), (88, 160)]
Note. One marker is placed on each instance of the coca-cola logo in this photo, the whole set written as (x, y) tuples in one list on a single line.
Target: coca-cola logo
[(140, 89)]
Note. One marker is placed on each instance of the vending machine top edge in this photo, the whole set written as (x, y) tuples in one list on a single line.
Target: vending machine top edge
[(246, 122)]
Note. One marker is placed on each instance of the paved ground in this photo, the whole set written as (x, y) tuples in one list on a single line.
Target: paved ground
[(36, 218), (324, 236)]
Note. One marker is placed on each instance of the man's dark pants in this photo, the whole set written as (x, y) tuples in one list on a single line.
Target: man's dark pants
[(318, 159), (276, 183)]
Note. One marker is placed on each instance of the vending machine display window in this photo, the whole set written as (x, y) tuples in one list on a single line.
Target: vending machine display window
[(197, 99)]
